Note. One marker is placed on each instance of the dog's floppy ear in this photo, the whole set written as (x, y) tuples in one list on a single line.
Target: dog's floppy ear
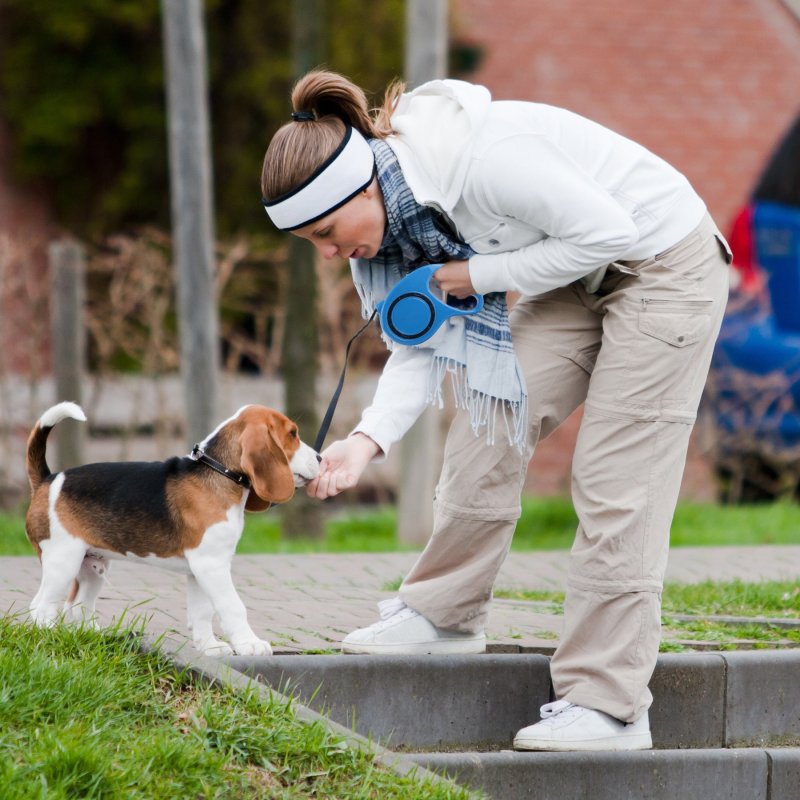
[(267, 466)]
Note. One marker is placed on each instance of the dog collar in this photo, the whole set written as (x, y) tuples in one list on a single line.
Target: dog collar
[(336, 181), (198, 454)]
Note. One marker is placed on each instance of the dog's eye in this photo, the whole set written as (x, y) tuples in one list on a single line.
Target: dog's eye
[(293, 433)]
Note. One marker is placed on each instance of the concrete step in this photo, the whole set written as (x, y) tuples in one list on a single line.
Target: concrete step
[(725, 725), (736, 774), (446, 703)]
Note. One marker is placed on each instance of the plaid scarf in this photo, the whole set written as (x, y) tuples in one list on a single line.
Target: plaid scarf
[(475, 350)]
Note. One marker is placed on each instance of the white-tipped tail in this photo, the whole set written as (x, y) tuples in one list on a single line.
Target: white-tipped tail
[(56, 413), (35, 461)]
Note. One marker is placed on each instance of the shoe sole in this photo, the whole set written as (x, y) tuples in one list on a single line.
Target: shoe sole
[(637, 741), (446, 647)]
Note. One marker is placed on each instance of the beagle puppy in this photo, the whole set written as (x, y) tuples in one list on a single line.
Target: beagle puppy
[(185, 514)]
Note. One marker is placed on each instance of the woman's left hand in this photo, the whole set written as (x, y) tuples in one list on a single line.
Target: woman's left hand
[(342, 465), (454, 279)]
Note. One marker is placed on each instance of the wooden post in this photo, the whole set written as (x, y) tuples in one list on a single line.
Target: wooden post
[(192, 211), (421, 448), (426, 41), (299, 360), (67, 299)]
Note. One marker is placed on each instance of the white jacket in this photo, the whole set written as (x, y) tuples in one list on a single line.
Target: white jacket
[(543, 196)]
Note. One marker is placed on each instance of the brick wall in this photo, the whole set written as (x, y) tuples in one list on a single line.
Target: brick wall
[(709, 85)]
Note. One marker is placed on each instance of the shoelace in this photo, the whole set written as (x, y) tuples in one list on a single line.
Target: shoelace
[(389, 611), (388, 608), (549, 710)]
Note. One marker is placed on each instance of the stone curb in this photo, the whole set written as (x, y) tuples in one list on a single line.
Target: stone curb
[(738, 774), (767, 622), (218, 673), (740, 691), (708, 700)]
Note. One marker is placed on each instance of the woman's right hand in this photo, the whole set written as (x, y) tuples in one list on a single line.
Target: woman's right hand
[(342, 464)]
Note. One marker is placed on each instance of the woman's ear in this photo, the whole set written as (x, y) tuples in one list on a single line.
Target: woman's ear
[(265, 463)]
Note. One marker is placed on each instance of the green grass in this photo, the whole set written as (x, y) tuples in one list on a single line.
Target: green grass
[(84, 714), (364, 532), (13, 541), (725, 636), (546, 524), (550, 523), (697, 524), (771, 599)]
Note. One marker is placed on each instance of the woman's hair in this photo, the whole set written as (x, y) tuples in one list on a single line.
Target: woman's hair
[(301, 146)]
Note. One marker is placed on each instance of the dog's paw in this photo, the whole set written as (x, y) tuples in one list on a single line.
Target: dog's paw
[(215, 649), (44, 617), (252, 647)]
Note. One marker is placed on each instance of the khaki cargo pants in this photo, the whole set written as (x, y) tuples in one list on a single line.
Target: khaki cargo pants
[(637, 353)]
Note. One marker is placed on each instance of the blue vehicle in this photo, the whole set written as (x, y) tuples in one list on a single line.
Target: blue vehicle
[(753, 392)]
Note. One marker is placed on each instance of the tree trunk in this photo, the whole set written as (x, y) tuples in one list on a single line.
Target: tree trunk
[(421, 449), (302, 516), (192, 211)]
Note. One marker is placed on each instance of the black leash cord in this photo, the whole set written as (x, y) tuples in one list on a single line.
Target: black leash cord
[(326, 422)]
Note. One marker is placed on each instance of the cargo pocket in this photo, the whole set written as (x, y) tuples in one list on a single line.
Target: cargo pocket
[(662, 367), (724, 247)]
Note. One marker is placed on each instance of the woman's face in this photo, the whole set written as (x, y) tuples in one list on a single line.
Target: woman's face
[(355, 230)]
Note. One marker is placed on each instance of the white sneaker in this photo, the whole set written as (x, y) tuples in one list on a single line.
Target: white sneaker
[(565, 726), (402, 631)]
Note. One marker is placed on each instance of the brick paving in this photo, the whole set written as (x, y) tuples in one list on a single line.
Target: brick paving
[(309, 602)]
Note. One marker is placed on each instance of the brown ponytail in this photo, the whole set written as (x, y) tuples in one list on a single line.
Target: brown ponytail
[(300, 146)]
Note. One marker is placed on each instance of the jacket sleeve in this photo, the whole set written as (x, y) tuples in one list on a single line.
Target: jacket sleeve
[(400, 397), (526, 177)]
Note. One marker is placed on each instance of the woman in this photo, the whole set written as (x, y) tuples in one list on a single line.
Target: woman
[(623, 282)]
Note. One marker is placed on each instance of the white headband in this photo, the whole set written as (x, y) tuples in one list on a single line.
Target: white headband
[(340, 178)]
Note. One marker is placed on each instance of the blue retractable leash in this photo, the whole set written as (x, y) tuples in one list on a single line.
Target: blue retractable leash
[(410, 314)]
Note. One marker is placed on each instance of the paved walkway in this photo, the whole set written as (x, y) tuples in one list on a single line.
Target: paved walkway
[(309, 602)]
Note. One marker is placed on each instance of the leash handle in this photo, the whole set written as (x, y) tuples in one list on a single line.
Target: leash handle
[(326, 422)]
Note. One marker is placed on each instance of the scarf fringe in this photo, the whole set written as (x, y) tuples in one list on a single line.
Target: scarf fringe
[(484, 410)]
